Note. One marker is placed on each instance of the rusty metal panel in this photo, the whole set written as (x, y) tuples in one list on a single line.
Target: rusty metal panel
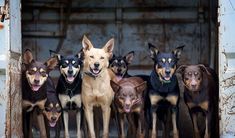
[(227, 67), (13, 73)]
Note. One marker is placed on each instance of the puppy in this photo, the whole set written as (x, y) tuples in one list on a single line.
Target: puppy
[(34, 91), (129, 100), (53, 109), (69, 88), (200, 94), (96, 89), (164, 89), (119, 65)]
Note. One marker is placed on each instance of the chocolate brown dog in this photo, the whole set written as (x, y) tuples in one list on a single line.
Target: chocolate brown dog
[(34, 91), (200, 94), (129, 100)]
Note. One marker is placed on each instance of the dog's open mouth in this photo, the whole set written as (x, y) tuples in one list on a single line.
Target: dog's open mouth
[(127, 109), (52, 123), (35, 87), (95, 71)]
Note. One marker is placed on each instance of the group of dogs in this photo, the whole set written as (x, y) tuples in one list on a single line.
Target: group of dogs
[(96, 78)]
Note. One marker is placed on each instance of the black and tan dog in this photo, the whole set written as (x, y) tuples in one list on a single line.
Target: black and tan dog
[(129, 101), (119, 65), (53, 109), (164, 89), (201, 94), (34, 91), (69, 88)]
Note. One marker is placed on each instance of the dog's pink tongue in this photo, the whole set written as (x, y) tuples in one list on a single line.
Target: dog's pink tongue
[(95, 71), (167, 78), (35, 87), (70, 79), (127, 110), (52, 124), (118, 78)]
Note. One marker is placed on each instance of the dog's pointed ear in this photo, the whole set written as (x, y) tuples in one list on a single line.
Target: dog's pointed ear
[(204, 69), (27, 57), (80, 54), (86, 44), (51, 63), (55, 54), (141, 87), (181, 69), (129, 57), (177, 52), (153, 50), (108, 48), (114, 86)]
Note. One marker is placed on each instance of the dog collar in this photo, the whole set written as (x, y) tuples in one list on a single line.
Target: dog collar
[(91, 75)]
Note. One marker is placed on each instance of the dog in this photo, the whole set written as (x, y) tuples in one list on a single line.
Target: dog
[(119, 65), (34, 91), (96, 88), (69, 88), (129, 100), (52, 110), (164, 89), (200, 94)]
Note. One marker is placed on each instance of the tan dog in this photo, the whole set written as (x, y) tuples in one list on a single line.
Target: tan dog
[(96, 88)]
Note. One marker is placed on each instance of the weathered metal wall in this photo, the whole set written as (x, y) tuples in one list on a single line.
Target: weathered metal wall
[(133, 24), (227, 67)]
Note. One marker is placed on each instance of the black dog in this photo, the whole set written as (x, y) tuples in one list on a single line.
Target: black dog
[(119, 65), (34, 91), (69, 88), (52, 110), (164, 89)]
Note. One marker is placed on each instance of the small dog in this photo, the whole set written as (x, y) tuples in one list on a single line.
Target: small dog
[(53, 109), (119, 65), (96, 88), (200, 94), (164, 89), (34, 91), (129, 100), (69, 88)]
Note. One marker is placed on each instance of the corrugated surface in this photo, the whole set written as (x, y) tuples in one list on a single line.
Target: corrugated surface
[(227, 67)]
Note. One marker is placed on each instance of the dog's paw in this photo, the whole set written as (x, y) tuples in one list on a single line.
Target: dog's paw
[(206, 136), (197, 135), (176, 135), (154, 135), (106, 135)]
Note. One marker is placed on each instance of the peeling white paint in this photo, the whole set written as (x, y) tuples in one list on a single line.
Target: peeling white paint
[(227, 67)]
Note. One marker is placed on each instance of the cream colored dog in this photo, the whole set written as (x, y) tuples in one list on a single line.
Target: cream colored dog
[(96, 88)]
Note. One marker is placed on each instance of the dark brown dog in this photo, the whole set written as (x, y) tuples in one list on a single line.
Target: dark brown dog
[(34, 91), (200, 94), (129, 100)]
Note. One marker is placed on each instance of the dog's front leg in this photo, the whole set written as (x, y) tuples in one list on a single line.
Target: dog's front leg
[(154, 124), (90, 120), (174, 122), (106, 116), (78, 118), (41, 124), (121, 125), (208, 127), (141, 129), (66, 123), (195, 126)]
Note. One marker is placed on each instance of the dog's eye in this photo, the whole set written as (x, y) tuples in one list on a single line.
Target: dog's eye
[(43, 73), (199, 79), (64, 65), (58, 109), (48, 109), (101, 57), (186, 79), (32, 72), (91, 56)]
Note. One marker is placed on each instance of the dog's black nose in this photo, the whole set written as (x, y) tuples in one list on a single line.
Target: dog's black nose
[(36, 81), (96, 64), (168, 72), (119, 70), (70, 71), (53, 118)]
